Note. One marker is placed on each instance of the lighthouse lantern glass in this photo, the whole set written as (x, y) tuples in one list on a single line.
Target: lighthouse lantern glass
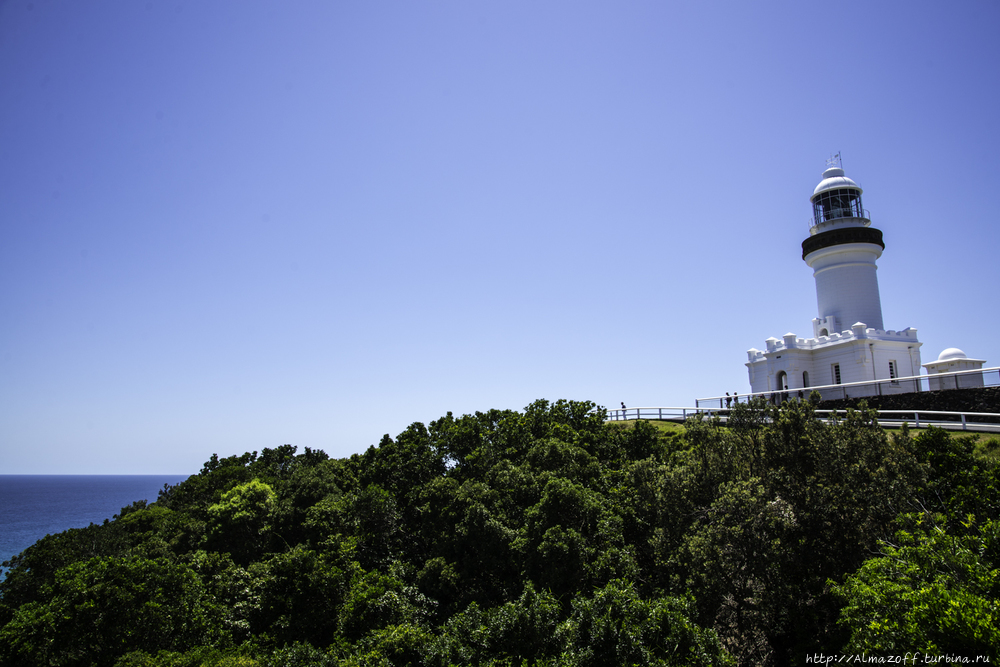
[(837, 203)]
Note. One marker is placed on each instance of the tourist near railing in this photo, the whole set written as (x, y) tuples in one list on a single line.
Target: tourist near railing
[(965, 421), (717, 405), (982, 377)]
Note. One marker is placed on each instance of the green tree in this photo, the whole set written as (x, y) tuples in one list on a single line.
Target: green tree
[(555, 539), (618, 627), (32, 572), (516, 631), (958, 482), (102, 608), (838, 487), (240, 523), (471, 544), (931, 592), (740, 550)]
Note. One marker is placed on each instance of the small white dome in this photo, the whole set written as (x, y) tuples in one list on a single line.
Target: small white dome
[(952, 353), (834, 178)]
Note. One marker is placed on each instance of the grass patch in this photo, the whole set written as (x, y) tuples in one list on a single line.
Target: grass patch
[(977, 436), (662, 426)]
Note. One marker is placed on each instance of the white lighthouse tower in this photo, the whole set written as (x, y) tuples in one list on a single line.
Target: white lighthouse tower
[(849, 343), (841, 250)]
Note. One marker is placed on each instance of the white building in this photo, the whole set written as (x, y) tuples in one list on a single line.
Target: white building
[(953, 360), (849, 342)]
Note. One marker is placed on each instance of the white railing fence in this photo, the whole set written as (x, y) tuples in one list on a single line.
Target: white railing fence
[(663, 414), (964, 421), (983, 377)]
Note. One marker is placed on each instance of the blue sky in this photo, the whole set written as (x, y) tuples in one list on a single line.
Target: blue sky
[(233, 225)]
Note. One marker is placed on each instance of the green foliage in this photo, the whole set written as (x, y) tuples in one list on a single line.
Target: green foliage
[(241, 521), (739, 553), (613, 626), (546, 537), (988, 451), (97, 609), (958, 483), (617, 627), (776, 505), (202, 656), (378, 600), (933, 592), (298, 595), (33, 571)]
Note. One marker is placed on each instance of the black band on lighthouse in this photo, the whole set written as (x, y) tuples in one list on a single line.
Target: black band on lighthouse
[(841, 236)]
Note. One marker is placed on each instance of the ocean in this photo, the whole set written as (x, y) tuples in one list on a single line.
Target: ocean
[(33, 506)]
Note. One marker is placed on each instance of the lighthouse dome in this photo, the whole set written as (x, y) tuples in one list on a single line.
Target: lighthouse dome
[(834, 178)]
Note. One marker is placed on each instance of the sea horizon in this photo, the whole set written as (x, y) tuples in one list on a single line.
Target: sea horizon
[(33, 505)]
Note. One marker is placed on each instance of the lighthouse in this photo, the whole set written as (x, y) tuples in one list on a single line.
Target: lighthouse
[(842, 249), (849, 343)]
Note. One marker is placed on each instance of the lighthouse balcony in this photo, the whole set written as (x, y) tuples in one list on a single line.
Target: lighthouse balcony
[(818, 226), (846, 214)]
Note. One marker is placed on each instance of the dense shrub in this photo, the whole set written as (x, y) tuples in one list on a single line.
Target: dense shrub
[(542, 537)]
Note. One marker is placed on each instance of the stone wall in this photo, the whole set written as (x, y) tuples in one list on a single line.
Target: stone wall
[(979, 399)]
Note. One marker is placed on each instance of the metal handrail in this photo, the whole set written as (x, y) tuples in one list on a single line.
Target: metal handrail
[(661, 413), (921, 383), (928, 412), (865, 215), (682, 413), (962, 417)]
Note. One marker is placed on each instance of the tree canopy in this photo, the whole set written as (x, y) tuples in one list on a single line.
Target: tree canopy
[(543, 537)]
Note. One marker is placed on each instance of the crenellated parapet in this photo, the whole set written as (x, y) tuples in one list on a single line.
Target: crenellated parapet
[(859, 332)]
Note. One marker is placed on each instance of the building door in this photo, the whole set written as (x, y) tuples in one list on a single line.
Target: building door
[(782, 380)]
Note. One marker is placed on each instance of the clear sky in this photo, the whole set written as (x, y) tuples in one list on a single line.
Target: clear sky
[(233, 225)]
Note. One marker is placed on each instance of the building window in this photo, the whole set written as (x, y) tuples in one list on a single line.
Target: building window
[(893, 373), (836, 373)]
